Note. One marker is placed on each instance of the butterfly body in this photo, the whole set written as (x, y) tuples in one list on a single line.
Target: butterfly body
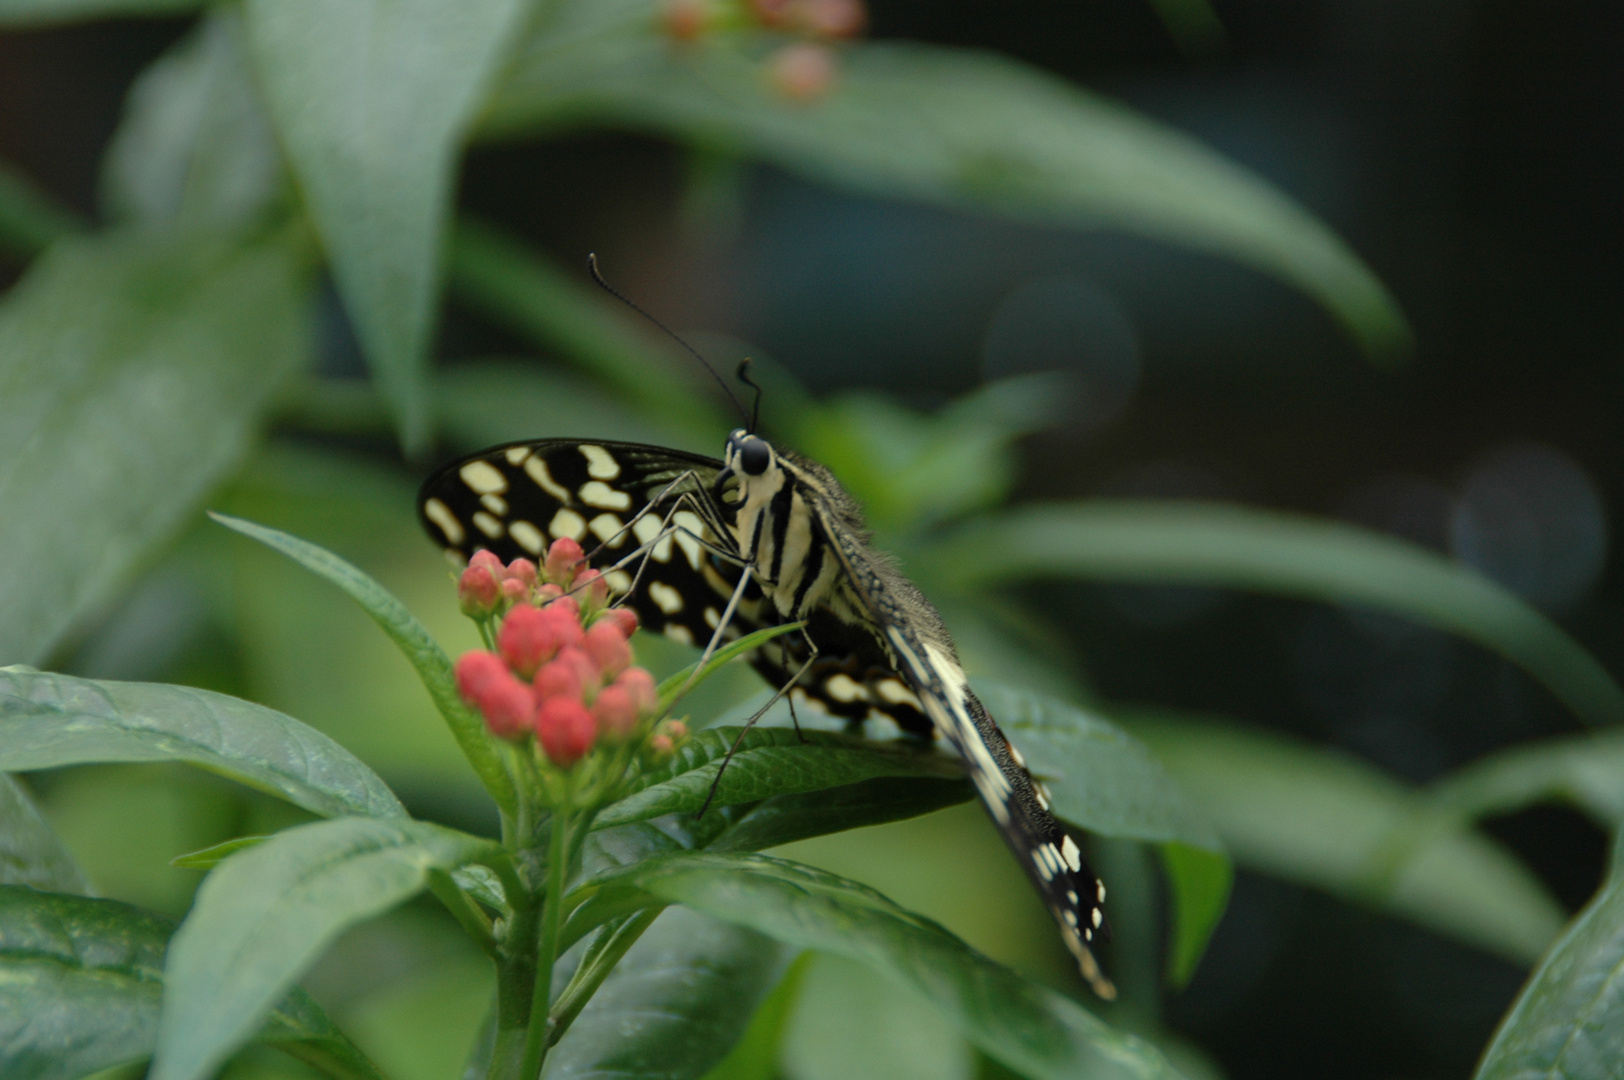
[(873, 644)]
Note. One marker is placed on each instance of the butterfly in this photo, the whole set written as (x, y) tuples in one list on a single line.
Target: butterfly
[(706, 550)]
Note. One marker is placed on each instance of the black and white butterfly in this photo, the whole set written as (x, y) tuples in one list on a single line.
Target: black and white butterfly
[(707, 550)]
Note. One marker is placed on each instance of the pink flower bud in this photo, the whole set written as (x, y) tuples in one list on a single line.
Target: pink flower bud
[(564, 603), (530, 637), (624, 620), (489, 561), (833, 18), (677, 730), (640, 685), (522, 570), (660, 747), (685, 20), (566, 730), (616, 712), (593, 589), (559, 678), (608, 649), (475, 671), (509, 709), (514, 589), (803, 71), (546, 594), (585, 669), (562, 560), (477, 592), (505, 702)]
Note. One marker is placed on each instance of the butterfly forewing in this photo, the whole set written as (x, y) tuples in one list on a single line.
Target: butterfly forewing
[(515, 500)]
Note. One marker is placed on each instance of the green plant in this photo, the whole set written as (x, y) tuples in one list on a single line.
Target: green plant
[(140, 362)]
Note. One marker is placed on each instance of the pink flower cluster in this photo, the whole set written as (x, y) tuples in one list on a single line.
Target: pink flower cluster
[(562, 670), (802, 70)]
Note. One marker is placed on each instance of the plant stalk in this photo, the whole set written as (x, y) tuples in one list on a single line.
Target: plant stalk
[(536, 1042)]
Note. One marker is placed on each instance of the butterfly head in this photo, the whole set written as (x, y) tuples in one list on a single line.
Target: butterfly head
[(750, 457)]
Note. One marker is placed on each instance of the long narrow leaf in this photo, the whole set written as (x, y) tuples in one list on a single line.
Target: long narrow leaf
[(49, 12), (134, 370), (30, 220), (80, 986), (952, 127), (1586, 771), (1190, 543), (768, 762), (30, 851), (421, 650), (263, 915), (1324, 819), (1031, 1029), (47, 721), (371, 99)]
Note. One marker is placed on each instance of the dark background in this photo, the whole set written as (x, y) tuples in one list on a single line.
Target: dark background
[(1469, 151)]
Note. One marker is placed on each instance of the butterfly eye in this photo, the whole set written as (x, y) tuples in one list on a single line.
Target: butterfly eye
[(754, 456)]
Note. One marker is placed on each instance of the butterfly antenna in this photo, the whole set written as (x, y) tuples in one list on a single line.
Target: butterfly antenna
[(743, 375), (592, 267)]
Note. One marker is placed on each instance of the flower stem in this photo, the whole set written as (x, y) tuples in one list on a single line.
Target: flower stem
[(536, 1043), (595, 967)]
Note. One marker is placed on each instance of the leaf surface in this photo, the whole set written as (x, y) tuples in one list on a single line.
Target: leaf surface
[(134, 371), (48, 720), (264, 914), (1237, 547), (370, 99), (80, 985), (1031, 1029), (30, 851), (956, 128)]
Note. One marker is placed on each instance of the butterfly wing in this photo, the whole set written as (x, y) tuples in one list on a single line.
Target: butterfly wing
[(923, 654), (515, 500)]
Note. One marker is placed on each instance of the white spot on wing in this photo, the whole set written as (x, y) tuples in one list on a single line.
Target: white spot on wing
[(528, 536), (437, 512), (647, 528), (536, 469), (893, 691), (619, 581), (495, 504), (668, 600), (598, 493), (713, 618), (483, 478), (567, 523), (516, 454), (1074, 858), (678, 632), (487, 524), (689, 526), (845, 690), (606, 527), (600, 463)]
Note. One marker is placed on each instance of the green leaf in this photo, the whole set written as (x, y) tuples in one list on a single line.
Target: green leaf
[(1584, 770), (769, 762), (563, 312), (47, 12), (30, 852), (80, 985), (1322, 818), (675, 1004), (755, 1055), (1107, 782), (134, 370), (47, 721), (195, 145), (263, 915), (371, 99), (1568, 1022), (215, 854), (1198, 881), (1191, 543), (1033, 1030), (684, 680), (30, 220), (956, 128), (783, 819), (421, 650)]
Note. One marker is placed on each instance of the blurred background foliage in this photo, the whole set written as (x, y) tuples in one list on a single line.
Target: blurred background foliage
[(967, 281)]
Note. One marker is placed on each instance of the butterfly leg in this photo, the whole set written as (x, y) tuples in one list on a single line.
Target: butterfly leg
[(750, 723)]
